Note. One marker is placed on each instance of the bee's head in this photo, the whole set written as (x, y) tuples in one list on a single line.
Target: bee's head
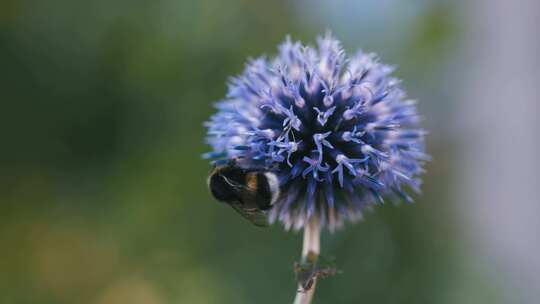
[(220, 189), (225, 183)]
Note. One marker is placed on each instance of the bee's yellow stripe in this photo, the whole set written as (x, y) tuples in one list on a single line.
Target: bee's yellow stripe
[(251, 181)]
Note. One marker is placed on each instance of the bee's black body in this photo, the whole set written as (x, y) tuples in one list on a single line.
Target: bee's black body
[(251, 192)]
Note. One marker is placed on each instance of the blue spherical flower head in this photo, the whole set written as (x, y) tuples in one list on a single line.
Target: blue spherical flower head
[(339, 132)]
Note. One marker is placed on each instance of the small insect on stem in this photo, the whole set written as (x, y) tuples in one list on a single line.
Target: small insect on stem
[(311, 266), (307, 272)]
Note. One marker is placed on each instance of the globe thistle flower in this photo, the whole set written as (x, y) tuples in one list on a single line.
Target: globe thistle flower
[(339, 132)]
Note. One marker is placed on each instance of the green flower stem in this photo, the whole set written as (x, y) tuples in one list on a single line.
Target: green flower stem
[(310, 252)]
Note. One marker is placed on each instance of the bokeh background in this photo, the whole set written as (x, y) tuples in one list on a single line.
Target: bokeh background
[(102, 189)]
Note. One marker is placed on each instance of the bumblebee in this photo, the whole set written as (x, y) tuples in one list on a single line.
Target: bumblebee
[(250, 192)]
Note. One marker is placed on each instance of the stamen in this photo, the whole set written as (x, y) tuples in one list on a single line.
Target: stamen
[(320, 140), (342, 161), (322, 117), (314, 166)]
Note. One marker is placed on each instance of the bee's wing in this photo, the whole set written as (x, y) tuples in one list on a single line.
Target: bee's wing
[(257, 217)]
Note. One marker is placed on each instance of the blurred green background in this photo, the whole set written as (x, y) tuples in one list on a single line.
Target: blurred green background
[(102, 188)]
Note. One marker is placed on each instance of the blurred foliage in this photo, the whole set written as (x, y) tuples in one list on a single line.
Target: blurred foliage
[(102, 189)]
